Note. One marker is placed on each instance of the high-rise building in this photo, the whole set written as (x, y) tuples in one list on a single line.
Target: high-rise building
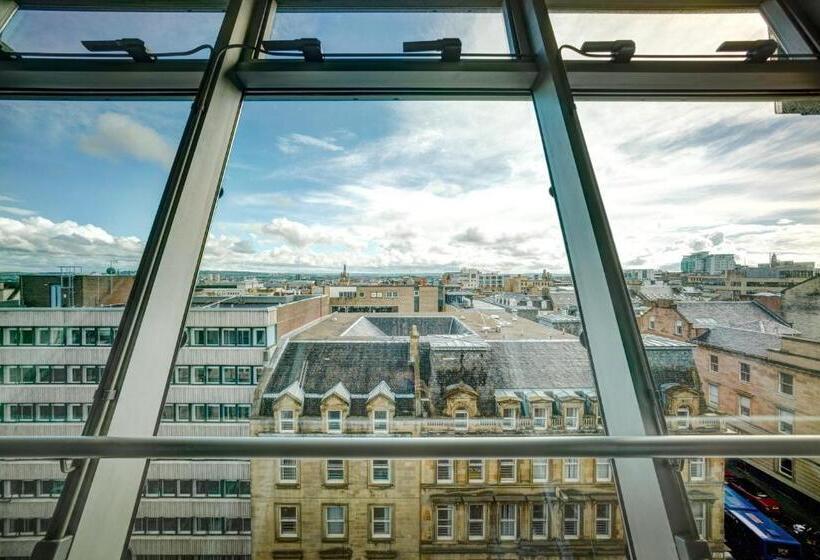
[(705, 263)]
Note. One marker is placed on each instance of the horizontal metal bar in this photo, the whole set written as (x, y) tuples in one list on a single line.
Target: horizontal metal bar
[(282, 76), (100, 78), (589, 79), (16, 447), (706, 79)]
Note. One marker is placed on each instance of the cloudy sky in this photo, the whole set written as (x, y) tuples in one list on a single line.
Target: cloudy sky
[(410, 185)]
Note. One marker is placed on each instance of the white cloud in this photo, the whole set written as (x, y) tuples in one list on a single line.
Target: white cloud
[(116, 135), (293, 143)]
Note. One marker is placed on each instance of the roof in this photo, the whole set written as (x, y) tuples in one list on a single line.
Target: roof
[(653, 341), (741, 341), (563, 298), (652, 293), (747, 315)]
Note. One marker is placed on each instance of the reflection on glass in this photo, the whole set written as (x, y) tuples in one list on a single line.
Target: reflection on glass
[(480, 31), (61, 31), (79, 186), (715, 215)]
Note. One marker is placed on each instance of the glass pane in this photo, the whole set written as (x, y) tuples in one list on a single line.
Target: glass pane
[(61, 31), (480, 31), (658, 33), (80, 183), (715, 215)]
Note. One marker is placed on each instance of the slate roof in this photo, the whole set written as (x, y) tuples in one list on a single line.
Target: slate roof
[(399, 325), (652, 293), (742, 341), (563, 299), (748, 315)]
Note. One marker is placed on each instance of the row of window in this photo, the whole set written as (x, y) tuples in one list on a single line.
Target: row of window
[(57, 336), (785, 417), (192, 526), (785, 381), (90, 374), (199, 336), (334, 420), (206, 412), (78, 412), (166, 488), (335, 471), (104, 336)]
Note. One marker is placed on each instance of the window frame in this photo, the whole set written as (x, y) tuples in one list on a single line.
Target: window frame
[(381, 536), (280, 520), (449, 522)]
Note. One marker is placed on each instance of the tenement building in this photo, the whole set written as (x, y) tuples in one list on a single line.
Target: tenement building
[(438, 374), (383, 298), (756, 369), (50, 365)]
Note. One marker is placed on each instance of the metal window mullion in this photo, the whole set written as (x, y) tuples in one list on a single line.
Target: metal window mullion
[(657, 515), (779, 19), (7, 10), (105, 493)]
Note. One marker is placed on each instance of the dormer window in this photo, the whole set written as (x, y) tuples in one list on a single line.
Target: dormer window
[(287, 421), (572, 417), (334, 421), (381, 421), (461, 420), (539, 417), (509, 414)]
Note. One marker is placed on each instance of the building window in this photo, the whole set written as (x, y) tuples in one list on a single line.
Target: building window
[(288, 471), (508, 422), (475, 522), (714, 394), (785, 421), (539, 417), (475, 471), (572, 521), (335, 522), (713, 363), (785, 467), (444, 471), (603, 521), (444, 523), (697, 468), (461, 420), (381, 522), (682, 418), (679, 328), (288, 522), (334, 421), (334, 471), (508, 521), (287, 421), (699, 513), (540, 470), (381, 422), (380, 471), (506, 470), (652, 323), (539, 521), (745, 373), (603, 470), (744, 406), (572, 417), (571, 470), (786, 384)]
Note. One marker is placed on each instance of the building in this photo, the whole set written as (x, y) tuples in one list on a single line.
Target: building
[(441, 374), (800, 306), (520, 304), (51, 360), (754, 368), (535, 284), (563, 300), (640, 275), (383, 298), (705, 263), (74, 290)]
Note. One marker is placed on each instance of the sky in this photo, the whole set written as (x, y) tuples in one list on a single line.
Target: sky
[(400, 186)]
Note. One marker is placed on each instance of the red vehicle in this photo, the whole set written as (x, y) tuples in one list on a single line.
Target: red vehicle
[(756, 495)]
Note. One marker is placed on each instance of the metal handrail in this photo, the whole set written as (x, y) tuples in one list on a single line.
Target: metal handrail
[(301, 446)]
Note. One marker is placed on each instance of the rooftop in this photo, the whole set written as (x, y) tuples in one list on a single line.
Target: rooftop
[(744, 315)]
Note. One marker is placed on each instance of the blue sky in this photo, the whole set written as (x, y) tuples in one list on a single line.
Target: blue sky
[(411, 185)]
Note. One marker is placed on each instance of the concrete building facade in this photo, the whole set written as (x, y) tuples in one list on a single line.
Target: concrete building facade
[(51, 360)]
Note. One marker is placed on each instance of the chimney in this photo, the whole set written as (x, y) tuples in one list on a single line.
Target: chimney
[(414, 359)]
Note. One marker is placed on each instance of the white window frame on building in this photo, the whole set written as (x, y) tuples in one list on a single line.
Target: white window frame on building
[(335, 471), (476, 524), (287, 421), (679, 328), (785, 383), (507, 521), (744, 406), (697, 469), (381, 421), (445, 514), (327, 521), (785, 466), (714, 394), (541, 469), (682, 418), (444, 466), (571, 465), (714, 363), (291, 520), (700, 511), (572, 418), (381, 522), (334, 421), (603, 469), (509, 418), (745, 373), (785, 421), (571, 525), (540, 522), (286, 466), (475, 465), (379, 467), (461, 420), (540, 417), (603, 520), (508, 471)]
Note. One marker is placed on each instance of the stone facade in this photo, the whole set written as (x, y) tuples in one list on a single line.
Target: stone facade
[(800, 306), (383, 299)]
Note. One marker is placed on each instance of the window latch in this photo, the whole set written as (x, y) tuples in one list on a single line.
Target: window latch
[(134, 47), (450, 48)]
